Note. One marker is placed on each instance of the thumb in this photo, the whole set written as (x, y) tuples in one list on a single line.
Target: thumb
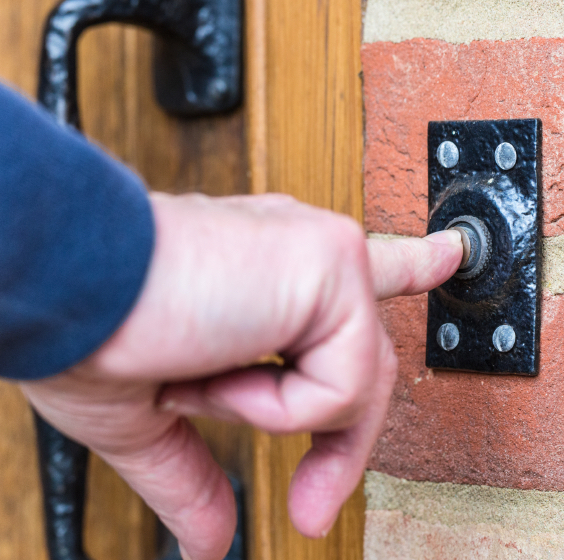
[(411, 266)]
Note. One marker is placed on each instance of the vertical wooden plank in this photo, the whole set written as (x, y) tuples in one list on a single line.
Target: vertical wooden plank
[(314, 102), (208, 155), (256, 93), (118, 524), (172, 154), (313, 141), (305, 138), (20, 501), (276, 538), (262, 522), (175, 155)]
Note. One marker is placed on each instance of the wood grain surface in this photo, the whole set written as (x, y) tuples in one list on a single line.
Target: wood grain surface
[(207, 155), (302, 130), (305, 111)]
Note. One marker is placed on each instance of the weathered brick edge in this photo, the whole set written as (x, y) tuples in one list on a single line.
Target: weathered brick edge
[(413, 520), (408, 84), (465, 428), (463, 21)]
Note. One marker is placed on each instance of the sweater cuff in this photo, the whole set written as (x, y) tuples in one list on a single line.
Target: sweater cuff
[(76, 239)]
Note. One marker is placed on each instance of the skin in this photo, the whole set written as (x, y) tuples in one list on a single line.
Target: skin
[(233, 280)]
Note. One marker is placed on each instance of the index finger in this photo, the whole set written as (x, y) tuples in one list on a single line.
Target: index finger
[(411, 266)]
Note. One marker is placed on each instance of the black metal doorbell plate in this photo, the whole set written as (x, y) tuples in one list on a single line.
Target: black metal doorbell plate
[(489, 170)]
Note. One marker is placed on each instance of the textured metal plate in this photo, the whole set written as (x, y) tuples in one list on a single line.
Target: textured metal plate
[(197, 65), (506, 293), (198, 71)]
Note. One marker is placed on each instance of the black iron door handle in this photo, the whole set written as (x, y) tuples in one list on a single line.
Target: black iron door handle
[(197, 71), (198, 52)]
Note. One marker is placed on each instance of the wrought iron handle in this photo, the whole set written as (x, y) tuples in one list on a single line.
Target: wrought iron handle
[(63, 476), (198, 55), (197, 71)]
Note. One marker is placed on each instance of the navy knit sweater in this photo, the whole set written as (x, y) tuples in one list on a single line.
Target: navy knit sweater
[(76, 238)]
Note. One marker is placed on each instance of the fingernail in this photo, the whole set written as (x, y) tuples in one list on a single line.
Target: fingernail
[(446, 237), (183, 553)]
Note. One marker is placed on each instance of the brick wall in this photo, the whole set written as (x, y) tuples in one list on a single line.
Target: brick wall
[(442, 60)]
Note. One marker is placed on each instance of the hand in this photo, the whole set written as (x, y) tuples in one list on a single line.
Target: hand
[(232, 280)]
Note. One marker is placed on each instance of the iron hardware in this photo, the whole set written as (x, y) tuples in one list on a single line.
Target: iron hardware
[(197, 70), (197, 64), (484, 179)]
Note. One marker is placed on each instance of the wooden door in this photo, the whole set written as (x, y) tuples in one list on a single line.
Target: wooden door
[(306, 138), (299, 132)]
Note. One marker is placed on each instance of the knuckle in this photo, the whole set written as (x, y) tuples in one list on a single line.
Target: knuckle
[(349, 231), (347, 411), (331, 238), (351, 402), (348, 399), (347, 240)]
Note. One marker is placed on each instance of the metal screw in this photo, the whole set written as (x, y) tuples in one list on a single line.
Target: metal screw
[(504, 338), (506, 156), (448, 154), (448, 336)]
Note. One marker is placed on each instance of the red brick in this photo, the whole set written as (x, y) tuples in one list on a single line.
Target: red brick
[(504, 431), (408, 84)]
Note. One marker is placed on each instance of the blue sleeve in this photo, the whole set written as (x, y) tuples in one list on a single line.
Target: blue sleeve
[(76, 238)]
